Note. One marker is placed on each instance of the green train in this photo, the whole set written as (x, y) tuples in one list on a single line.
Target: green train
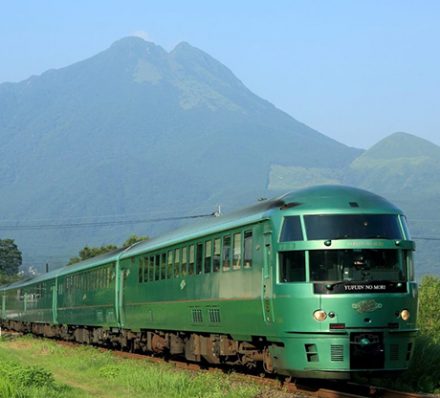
[(318, 283)]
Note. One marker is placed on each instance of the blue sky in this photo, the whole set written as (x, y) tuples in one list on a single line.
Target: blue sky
[(356, 71)]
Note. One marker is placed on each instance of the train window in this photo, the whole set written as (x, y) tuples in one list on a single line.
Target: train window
[(191, 260), (184, 261), (216, 258), (208, 256), (291, 230), (248, 249), (226, 255), (292, 266), (353, 226), (405, 227), (163, 266), (199, 259), (236, 263), (141, 271), (157, 267), (409, 264), (356, 265), (150, 263), (170, 273), (144, 264), (176, 263)]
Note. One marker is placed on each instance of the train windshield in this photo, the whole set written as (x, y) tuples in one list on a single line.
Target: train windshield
[(356, 265), (353, 226)]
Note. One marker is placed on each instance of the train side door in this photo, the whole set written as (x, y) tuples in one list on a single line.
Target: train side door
[(267, 283), (55, 302)]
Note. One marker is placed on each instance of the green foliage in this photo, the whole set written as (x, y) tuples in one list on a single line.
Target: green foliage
[(23, 381), (429, 308), (10, 257), (89, 252), (134, 239), (424, 372), (101, 374)]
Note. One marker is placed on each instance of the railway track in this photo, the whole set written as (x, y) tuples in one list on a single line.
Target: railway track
[(303, 388)]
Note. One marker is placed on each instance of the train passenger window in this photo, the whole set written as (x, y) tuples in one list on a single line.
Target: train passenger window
[(191, 260), (151, 268), (157, 268), (292, 266), (291, 229), (176, 263), (199, 259), (145, 264), (170, 273), (216, 258), (236, 263), (226, 256), (163, 266), (208, 256), (184, 261), (248, 249), (142, 271)]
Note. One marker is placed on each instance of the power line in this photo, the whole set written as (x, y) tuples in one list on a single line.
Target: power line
[(97, 224), (425, 238)]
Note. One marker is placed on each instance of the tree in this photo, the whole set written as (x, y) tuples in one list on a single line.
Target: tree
[(134, 239), (89, 252), (10, 257)]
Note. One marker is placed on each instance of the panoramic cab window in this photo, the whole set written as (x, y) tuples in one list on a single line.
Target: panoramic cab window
[(356, 265), (405, 227), (353, 226), (184, 261), (291, 230), (236, 264), (292, 266), (208, 256), (409, 264), (217, 253), (247, 249), (226, 257), (191, 260)]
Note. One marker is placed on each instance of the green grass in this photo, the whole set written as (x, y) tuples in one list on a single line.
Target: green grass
[(65, 371)]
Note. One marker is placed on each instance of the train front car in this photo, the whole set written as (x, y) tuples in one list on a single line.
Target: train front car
[(344, 299)]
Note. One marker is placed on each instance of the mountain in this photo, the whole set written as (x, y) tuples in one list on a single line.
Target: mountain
[(138, 130), (399, 165)]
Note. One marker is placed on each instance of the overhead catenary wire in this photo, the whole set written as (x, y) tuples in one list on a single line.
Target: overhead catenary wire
[(98, 224)]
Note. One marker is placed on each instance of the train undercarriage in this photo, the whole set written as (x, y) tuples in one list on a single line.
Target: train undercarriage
[(215, 349)]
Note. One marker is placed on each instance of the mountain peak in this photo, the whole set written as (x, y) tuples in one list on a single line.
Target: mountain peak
[(400, 144)]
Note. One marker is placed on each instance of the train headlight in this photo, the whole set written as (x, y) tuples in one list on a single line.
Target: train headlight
[(320, 315), (404, 314)]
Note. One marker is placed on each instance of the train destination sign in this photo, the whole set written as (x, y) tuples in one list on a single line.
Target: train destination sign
[(349, 287)]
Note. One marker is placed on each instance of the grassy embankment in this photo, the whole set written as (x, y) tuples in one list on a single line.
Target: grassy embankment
[(36, 368)]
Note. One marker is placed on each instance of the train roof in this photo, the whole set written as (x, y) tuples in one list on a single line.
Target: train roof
[(335, 198)]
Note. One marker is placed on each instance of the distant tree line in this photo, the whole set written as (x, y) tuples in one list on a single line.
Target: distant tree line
[(10, 260), (89, 252)]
